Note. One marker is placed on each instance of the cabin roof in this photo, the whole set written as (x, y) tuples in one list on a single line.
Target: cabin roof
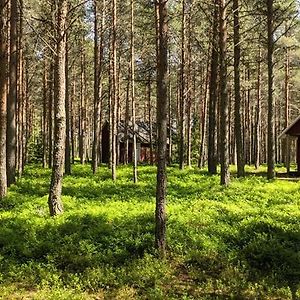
[(142, 131), (292, 130)]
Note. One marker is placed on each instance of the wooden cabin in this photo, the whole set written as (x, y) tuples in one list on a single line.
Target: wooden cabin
[(292, 132), (143, 142)]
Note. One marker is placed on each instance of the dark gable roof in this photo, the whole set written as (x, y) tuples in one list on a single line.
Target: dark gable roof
[(292, 130), (142, 131)]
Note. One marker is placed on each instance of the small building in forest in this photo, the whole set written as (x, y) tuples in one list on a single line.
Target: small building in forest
[(292, 132), (145, 137)]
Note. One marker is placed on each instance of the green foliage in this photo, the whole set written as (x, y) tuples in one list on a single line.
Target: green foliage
[(223, 243)]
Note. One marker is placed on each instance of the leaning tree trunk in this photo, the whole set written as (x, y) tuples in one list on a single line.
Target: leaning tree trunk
[(271, 142), (11, 141), (3, 85), (237, 92), (224, 143), (54, 201), (162, 122), (213, 97)]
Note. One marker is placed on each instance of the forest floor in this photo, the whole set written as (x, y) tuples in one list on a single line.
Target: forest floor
[(240, 242)]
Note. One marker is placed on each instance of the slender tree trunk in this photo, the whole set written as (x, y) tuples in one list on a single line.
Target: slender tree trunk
[(203, 114), (224, 144), (213, 97), (11, 141), (54, 201), (97, 54), (68, 119), (135, 158), (45, 90), (237, 89), (271, 141), (162, 121), (50, 116), (114, 91), (188, 86), (127, 117), (182, 146), (286, 112), (150, 120), (169, 125), (3, 87), (73, 117), (83, 120), (257, 128), (20, 98)]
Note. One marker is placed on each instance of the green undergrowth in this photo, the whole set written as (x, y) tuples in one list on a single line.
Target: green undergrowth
[(240, 242)]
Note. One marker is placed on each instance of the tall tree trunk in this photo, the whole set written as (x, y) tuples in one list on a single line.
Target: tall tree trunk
[(127, 117), (68, 119), (237, 89), (83, 108), (203, 114), (271, 141), (73, 125), (96, 118), (3, 86), (162, 121), (224, 143), (169, 125), (45, 91), (188, 87), (213, 96), (286, 110), (135, 158), (114, 92), (50, 115), (54, 201), (257, 128), (20, 98), (150, 120), (11, 141), (182, 148)]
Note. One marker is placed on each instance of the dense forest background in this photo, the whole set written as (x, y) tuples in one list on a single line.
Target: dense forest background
[(195, 109), (100, 100)]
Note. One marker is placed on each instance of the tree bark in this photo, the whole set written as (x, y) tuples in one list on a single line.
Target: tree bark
[(182, 104), (54, 201), (114, 92), (271, 142), (150, 120), (286, 145), (237, 90), (45, 91), (224, 144), (162, 121), (213, 97), (257, 126), (50, 115), (98, 46), (68, 119), (11, 141), (135, 158), (3, 87)]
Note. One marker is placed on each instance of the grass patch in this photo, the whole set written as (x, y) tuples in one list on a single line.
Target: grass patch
[(240, 242)]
